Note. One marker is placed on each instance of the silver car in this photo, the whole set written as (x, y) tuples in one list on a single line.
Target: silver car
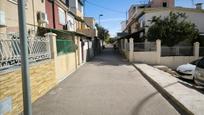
[(199, 73)]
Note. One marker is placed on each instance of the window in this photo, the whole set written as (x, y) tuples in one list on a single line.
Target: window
[(201, 63), (165, 4), (16, 2), (67, 2), (195, 62), (61, 13), (2, 18), (71, 23), (13, 1), (142, 22)]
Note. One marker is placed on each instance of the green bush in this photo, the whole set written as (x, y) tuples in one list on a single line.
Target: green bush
[(172, 29)]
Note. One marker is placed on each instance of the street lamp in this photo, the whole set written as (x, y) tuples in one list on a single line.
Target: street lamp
[(100, 19), (27, 105)]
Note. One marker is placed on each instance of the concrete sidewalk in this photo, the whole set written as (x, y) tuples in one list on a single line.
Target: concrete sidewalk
[(186, 99), (107, 85)]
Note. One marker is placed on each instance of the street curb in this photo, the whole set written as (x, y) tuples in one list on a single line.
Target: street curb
[(172, 100)]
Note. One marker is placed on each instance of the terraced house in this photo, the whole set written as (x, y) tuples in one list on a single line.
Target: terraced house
[(135, 30), (35, 16), (57, 46), (139, 16)]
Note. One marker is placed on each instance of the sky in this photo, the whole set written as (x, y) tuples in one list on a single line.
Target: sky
[(114, 11)]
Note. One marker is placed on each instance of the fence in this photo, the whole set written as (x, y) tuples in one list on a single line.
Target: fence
[(177, 51), (38, 49), (149, 46), (201, 51), (65, 46), (154, 53)]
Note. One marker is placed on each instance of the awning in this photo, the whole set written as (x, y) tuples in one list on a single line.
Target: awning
[(133, 35), (42, 31)]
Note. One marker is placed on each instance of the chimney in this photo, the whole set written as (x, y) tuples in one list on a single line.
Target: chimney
[(199, 6)]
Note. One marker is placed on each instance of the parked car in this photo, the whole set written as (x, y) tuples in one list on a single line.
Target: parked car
[(186, 71), (199, 73)]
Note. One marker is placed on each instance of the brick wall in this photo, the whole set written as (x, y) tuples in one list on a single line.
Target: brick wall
[(42, 80)]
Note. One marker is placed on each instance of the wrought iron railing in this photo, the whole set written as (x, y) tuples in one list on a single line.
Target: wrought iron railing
[(144, 47), (38, 49), (177, 51), (201, 51)]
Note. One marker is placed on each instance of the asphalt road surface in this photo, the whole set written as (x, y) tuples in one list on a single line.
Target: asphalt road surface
[(107, 85)]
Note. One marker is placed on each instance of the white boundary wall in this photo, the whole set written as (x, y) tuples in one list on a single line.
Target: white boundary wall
[(154, 57), (145, 57)]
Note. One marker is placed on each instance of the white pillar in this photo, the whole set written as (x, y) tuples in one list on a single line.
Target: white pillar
[(131, 49), (53, 49), (131, 44), (196, 50), (146, 44), (53, 44), (158, 46)]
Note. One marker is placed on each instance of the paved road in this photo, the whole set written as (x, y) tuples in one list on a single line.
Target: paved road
[(108, 85)]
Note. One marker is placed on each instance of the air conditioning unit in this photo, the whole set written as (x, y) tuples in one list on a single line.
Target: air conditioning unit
[(42, 17), (2, 19)]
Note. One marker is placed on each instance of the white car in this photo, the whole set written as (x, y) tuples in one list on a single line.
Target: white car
[(186, 71), (199, 73)]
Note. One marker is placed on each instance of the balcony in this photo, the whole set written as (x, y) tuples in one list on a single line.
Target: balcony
[(65, 2), (89, 32)]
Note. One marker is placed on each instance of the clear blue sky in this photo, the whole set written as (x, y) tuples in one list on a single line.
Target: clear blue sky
[(114, 11)]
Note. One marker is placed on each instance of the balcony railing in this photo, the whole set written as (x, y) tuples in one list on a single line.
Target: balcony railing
[(177, 51), (144, 47), (201, 51), (38, 49)]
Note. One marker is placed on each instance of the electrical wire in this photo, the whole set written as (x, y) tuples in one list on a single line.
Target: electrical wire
[(102, 7)]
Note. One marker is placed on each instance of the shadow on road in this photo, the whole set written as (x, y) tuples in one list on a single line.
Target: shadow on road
[(142, 103), (110, 57)]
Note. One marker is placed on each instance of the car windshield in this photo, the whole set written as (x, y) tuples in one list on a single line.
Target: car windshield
[(195, 62), (201, 63)]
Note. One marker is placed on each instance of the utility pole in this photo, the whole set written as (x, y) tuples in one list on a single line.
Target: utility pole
[(24, 59), (99, 19)]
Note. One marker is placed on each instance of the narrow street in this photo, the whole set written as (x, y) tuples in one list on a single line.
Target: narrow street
[(107, 85)]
